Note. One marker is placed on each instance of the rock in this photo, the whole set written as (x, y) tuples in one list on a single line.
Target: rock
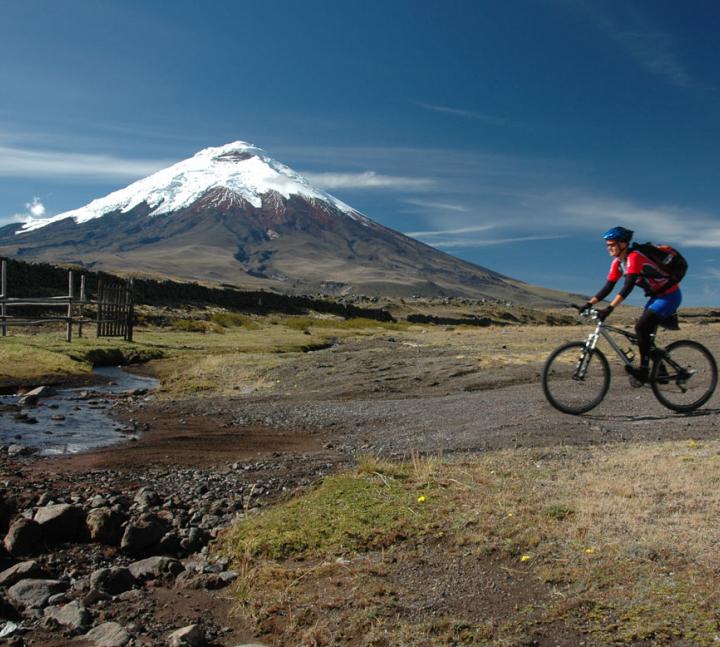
[(109, 634), (111, 580), (208, 581), (143, 534), (22, 571), (146, 496), (30, 399), (195, 540), (34, 594), (7, 610), (105, 526), (190, 636), (7, 510), (73, 615), (154, 568), (61, 523), (23, 537), (21, 450), (170, 544)]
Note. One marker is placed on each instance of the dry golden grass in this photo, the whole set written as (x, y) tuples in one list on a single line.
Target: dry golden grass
[(616, 543)]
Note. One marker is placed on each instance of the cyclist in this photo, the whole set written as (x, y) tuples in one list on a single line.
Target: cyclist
[(638, 269)]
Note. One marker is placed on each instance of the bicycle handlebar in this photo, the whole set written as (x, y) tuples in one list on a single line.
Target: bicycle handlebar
[(590, 313)]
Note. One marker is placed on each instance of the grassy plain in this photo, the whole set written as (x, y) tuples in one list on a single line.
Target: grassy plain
[(605, 545)]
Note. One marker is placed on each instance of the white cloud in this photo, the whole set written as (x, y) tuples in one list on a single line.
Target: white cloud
[(18, 162), (440, 206), (468, 114), (34, 209), (450, 232), (648, 46), (466, 243), (366, 180), (660, 223)]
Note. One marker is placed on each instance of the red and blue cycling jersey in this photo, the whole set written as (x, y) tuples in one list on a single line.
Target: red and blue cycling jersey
[(651, 278)]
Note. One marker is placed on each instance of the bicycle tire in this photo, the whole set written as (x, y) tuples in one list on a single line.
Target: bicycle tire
[(684, 393), (563, 388)]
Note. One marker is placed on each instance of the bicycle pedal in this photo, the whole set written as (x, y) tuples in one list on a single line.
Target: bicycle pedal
[(635, 383)]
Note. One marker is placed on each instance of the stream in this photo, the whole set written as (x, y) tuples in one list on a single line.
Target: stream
[(72, 420)]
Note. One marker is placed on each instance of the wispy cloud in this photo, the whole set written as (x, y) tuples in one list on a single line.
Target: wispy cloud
[(19, 162), (450, 232), (647, 45), (670, 224), (366, 180), (468, 114), (466, 243), (440, 206)]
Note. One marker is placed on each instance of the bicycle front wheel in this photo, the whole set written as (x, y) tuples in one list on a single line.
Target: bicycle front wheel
[(685, 377), (575, 379)]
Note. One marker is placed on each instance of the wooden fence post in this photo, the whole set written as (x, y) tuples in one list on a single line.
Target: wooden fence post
[(3, 296), (130, 303), (69, 308), (98, 332), (82, 305)]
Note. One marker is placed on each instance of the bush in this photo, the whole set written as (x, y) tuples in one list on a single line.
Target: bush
[(190, 325), (233, 320)]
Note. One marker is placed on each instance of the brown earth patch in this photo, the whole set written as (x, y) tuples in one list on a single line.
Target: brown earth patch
[(190, 441)]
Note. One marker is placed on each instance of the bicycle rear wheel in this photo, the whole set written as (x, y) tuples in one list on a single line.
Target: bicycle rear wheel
[(574, 379), (685, 377)]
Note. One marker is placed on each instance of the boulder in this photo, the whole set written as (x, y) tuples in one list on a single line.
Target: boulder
[(7, 610), (105, 526), (21, 450), (190, 636), (111, 581), (195, 540), (143, 535), (146, 496), (23, 537), (73, 615), (34, 594), (154, 568), (7, 511), (22, 571), (30, 399), (61, 523), (108, 634)]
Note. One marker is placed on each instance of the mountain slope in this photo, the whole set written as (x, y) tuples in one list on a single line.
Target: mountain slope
[(233, 215)]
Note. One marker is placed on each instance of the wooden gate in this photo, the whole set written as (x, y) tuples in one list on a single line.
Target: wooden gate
[(115, 309)]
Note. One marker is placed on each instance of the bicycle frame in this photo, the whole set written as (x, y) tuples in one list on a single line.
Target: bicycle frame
[(603, 330)]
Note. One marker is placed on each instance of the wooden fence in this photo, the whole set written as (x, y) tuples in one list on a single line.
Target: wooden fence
[(114, 307)]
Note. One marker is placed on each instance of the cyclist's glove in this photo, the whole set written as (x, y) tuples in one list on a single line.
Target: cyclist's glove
[(584, 307), (604, 313)]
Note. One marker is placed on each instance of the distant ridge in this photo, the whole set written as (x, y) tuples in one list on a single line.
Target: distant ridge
[(233, 215)]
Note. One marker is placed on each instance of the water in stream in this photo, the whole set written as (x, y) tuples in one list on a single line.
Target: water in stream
[(70, 421)]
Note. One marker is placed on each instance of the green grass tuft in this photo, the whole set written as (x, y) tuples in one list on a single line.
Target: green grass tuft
[(346, 513), (234, 320)]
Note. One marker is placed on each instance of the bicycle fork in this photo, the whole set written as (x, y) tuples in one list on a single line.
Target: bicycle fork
[(584, 360)]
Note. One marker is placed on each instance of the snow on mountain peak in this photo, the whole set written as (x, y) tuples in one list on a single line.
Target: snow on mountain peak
[(240, 168)]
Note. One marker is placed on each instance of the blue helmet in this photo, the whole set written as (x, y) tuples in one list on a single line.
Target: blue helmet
[(620, 234)]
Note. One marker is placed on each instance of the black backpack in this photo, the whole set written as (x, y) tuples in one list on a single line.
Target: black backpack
[(670, 261)]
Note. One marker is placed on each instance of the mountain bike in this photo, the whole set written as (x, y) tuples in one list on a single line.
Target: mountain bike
[(576, 376)]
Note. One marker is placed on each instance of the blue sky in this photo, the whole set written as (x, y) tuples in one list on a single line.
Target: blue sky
[(510, 134)]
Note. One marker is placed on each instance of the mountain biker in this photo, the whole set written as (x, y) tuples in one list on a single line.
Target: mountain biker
[(638, 269)]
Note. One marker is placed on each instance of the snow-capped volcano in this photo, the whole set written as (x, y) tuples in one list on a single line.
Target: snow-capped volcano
[(236, 171), (233, 215)]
